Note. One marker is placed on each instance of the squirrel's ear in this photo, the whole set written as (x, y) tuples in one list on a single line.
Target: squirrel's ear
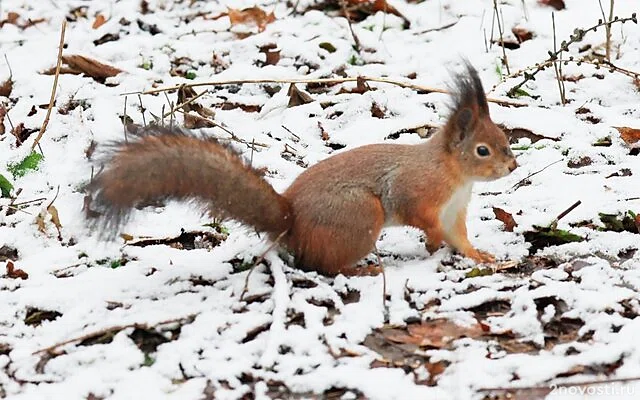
[(464, 126)]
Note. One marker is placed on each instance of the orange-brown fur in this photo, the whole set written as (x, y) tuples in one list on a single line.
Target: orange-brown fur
[(332, 214)]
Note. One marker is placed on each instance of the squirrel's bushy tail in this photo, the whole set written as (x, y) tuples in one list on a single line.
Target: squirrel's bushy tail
[(164, 164)]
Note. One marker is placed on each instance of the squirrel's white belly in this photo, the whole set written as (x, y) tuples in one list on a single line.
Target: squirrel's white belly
[(458, 201)]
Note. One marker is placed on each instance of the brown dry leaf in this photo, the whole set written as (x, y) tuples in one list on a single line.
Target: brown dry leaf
[(193, 121), (252, 15), (377, 111), (506, 218), (297, 97), (12, 18), (40, 222), (515, 134), (3, 113), (99, 21), (14, 273), (368, 7), (186, 93), (77, 64), (6, 87), (522, 34), (631, 136), (437, 333), (557, 4), (21, 133), (324, 135), (55, 218), (271, 52)]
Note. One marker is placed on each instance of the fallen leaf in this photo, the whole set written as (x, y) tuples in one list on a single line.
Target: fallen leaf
[(506, 218), (14, 273), (297, 97), (358, 10), (629, 222), (437, 333), (557, 4), (252, 15), (541, 237), (8, 253), (631, 136), (194, 121), (580, 162), (185, 94), (3, 113), (99, 21), (55, 218), (515, 134), (12, 18), (377, 111), (323, 133), (35, 316), (6, 87), (244, 107), (522, 34), (77, 64), (271, 52)]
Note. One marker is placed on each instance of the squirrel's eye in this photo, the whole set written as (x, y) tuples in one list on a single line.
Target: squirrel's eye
[(483, 151)]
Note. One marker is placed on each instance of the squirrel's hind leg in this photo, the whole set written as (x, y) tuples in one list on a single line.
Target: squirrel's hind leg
[(333, 244)]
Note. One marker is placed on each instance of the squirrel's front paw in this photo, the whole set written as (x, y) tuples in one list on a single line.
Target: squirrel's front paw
[(480, 256)]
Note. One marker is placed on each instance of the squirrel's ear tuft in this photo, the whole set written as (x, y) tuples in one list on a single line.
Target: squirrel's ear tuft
[(468, 91)]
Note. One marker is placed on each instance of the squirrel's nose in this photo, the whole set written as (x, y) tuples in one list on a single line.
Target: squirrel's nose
[(513, 165)]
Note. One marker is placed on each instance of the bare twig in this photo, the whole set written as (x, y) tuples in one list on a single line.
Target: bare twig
[(124, 120), (498, 15), (578, 35), (245, 289), (53, 90), (439, 28), (51, 348), (607, 28), (523, 180), (557, 64), (142, 110), (356, 42), (419, 88), (563, 214)]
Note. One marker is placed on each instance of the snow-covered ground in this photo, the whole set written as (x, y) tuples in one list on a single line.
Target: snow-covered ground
[(161, 322)]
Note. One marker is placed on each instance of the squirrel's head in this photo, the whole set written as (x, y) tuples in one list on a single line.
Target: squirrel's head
[(481, 148)]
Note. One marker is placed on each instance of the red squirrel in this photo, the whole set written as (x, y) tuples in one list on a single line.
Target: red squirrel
[(332, 214)]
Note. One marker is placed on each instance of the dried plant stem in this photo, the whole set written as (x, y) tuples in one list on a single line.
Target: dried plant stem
[(356, 42), (419, 88), (607, 28), (523, 180), (53, 90), (498, 15), (557, 63)]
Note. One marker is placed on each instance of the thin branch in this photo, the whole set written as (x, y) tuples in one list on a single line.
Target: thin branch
[(557, 64), (356, 41), (53, 90), (118, 328), (521, 182), (245, 288), (419, 88)]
